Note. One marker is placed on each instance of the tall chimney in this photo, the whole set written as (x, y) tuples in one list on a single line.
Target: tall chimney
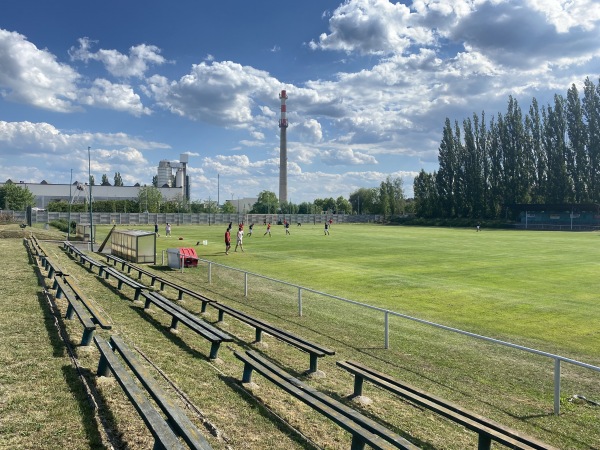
[(283, 124)]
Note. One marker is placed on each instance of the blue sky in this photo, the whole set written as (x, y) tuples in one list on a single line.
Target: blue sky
[(370, 83)]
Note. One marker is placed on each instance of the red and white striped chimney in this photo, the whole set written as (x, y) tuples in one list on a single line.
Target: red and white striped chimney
[(283, 124)]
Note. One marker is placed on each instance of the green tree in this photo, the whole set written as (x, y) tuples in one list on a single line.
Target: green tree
[(197, 206), (496, 175), (533, 124), (305, 208), (211, 207), (591, 112), (105, 181), (364, 201), (391, 197), (92, 180), (577, 158), (155, 181), (447, 176), (555, 129), (149, 199), (15, 197), (325, 204), (426, 195), (266, 203), (118, 179), (343, 206), (228, 208)]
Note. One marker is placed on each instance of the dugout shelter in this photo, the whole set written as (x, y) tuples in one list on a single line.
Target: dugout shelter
[(558, 216)]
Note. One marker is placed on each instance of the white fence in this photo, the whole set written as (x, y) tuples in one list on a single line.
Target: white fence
[(188, 218), (557, 359)]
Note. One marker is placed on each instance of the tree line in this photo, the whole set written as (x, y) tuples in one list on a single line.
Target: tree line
[(387, 199), (550, 155)]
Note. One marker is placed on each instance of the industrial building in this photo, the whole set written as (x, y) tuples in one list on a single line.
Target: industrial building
[(172, 187)]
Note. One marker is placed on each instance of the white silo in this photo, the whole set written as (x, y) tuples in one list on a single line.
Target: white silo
[(165, 173)]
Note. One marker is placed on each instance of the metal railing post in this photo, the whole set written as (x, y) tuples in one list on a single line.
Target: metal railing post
[(387, 330), (245, 284), (299, 302), (557, 386), (209, 273)]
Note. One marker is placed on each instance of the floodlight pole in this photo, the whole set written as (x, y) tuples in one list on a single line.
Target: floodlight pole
[(91, 212), (70, 201)]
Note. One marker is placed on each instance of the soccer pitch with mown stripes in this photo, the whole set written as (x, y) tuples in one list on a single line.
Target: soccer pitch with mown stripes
[(537, 288)]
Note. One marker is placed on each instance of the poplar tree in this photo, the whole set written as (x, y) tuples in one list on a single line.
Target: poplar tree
[(591, 113)]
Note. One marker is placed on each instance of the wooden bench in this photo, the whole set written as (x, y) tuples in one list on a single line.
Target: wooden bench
[(116, 260), (183, 290), (487, 429), (167, 431), (97, 317), (67, 246), (76, 307), (163, 282), (72, 249), (123, 279), (52, 267), (314, 350), (194, 323), (126, 264), (36, 247), (364, 430), (83, 259)]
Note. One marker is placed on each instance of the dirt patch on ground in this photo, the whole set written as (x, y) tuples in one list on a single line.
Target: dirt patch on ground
[(14, 231)]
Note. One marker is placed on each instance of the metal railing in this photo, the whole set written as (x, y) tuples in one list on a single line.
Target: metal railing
[(558, 359)]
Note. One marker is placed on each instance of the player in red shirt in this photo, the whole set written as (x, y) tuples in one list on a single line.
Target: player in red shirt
[(227, 241)]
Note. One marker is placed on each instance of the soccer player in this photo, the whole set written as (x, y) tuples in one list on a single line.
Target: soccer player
[(227, 241), (240, 236)]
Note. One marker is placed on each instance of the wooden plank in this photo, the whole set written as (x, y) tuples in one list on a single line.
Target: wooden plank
[(188, 315), (77, 307), (183, 426), (293, 339), (153, 420), (361, 434), (472, 421), (198, 326), (96, 315)]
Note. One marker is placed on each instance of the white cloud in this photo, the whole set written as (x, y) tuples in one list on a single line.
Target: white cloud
[(56, 153), (135, 64), (346, 157), (310, 130), (372, 27), (40, 140), (221, 93), (33, 76), (118, 97), (565, 15)]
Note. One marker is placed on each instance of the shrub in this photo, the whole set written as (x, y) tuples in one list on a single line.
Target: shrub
[(62, 225)]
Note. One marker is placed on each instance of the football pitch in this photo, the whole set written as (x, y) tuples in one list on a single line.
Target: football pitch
[(534, 289), (538, 289)]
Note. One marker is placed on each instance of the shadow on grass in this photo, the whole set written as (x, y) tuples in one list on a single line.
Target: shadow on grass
[(51, 313), (115, 290), (86, 407), (165, 331), (365, 412), (55, 329), (267, 413)]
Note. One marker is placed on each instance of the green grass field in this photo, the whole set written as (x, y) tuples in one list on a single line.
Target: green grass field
[(536, 289), (540, 288)]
